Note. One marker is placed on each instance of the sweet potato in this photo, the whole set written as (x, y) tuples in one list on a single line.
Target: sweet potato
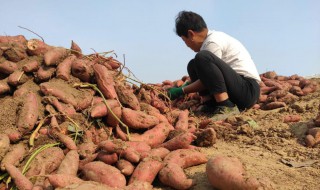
[(87, 148), (107, 158), (159, 104), (125, 167), (8, 67), (111, 120), (100, 109), (127, 97), (44, 73), (15, 52), (4, 145), (315, 132), (64, 68), (54, 55), (70, 164), (278, 93), (147, 170), (173, 175), (206, 137), (309, 88), (310, 141), (121, 148), (154, 136), (267, 89), (67, 109), (37, 47), (228, 173), (76, 50), (14, 156), (274, 105), (160, 152), (182, 122), (29, 86), (21, 181), (105, 81), (115, 64), (80, 99), (17, 77), (150, 110), (31, 66), (63, 180), (185, 158), (139, 146), (181, 141), (138, 119), (85, 185), (18, 38), (104, 173), (45, 160), (291, 118), (28, 113), (82, 69), (4, 87), (14, 135)]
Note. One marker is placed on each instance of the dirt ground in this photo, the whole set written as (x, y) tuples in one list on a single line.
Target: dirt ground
[(271, 149)]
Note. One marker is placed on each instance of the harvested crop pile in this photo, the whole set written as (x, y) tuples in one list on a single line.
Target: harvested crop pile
[(72, 121)]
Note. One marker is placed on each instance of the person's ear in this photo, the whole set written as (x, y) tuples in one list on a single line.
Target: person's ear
[(191, 35)]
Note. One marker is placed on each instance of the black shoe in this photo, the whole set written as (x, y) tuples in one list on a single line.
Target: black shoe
[(219, 112)]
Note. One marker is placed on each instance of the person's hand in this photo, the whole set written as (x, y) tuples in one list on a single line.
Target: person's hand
[(175, 93)]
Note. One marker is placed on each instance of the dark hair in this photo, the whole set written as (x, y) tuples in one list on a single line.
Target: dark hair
[(187, 20)]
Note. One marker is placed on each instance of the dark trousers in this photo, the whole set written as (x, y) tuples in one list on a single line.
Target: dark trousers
[(218, 77)]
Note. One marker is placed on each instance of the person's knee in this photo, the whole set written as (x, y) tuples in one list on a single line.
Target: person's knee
[(204, 56)]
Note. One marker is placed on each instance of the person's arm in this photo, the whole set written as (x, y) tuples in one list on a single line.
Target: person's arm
[(196, 86)]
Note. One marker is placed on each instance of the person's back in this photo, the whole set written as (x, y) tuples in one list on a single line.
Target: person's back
[(232, 52)]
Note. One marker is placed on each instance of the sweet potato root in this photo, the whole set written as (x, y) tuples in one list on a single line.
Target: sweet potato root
[(75, 49), (274, 105), (21, 181), (182, 122), (181, 141), (70, 164), (107, 158), (14, 156), (127, 97), (54, 55), (160, 152), (100, 109), (28, 113), (104, 173), (44, 73), (125, 167), (17, 77), (4, 145), (291, 118), (37, 47), (8, 67), (18, 38), (111, 120), (4, 87), (63, 180), (185, 158), (105, 81), (121, 148), (147, 170), (138, 119), (82, 69), (31, 66), (64, 68), (228, 173)]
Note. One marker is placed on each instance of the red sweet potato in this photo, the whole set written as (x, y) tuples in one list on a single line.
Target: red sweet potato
[(17, 77), (291, 118), (150, 110), (14, 135), (147, 170), (14, 156), (138, 119), (45, 160), (76, 50), (228, 173), (111, 120), (63, 180), (15, 52), (274, 105), (160, 152), (100, 109), (54, 55), (21, 181), (173, 175), (64, 68), (126, 96), (70, 164), (28, 113), (4, 145), (185, 158), (37, 47), (44, 73), (82, 69), (139, 146), (115, 64), (8, 67), (31, 66), (67, 109), (182, 122), (154, 136), (310, 141), (18, 38), (105, 81), (107, 158), (4, 87), (125, 167), (182, 141), (121, 148), (104, 173), (87, 148)]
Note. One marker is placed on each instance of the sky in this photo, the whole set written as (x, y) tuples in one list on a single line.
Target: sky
[(281, 36)]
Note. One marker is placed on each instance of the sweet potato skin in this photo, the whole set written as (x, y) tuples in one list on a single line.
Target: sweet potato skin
[(21, 181), (70, 164), (138, 119), (103, 173), (64, 68), (125, 167), (14, 156), (63, 180), (105, 81), (4, 145)]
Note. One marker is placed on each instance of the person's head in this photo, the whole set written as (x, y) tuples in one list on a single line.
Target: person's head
[(191, 28)]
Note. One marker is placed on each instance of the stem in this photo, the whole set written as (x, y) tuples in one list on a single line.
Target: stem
[(76, 125), (32, 137)]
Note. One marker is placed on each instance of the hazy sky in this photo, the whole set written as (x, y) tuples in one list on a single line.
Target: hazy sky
[(281, 35)]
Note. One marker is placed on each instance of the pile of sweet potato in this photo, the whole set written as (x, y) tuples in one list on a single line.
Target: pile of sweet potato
[(78, 123)]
